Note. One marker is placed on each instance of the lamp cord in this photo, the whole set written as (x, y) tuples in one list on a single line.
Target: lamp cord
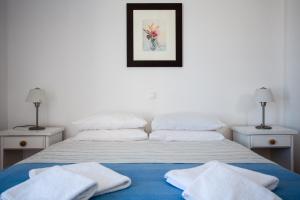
[(23, 126)]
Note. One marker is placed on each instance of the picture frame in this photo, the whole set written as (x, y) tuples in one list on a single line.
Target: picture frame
[(154, 35)]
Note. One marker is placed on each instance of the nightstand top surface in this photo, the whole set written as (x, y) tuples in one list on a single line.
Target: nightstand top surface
[(25, 132), (276, 130)]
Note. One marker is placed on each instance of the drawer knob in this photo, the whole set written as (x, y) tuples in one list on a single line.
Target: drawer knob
[(23, 143), (272, 141)]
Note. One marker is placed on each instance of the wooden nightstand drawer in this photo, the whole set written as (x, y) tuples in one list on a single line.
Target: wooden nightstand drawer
[(24, 142), (20, 143), (271, 141), (275, 144)]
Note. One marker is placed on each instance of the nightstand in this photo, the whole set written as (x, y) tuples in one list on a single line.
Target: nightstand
[(275, 144), (20, 143)]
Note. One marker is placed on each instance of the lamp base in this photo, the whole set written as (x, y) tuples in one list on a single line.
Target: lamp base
[(36, 128), (263, 127)]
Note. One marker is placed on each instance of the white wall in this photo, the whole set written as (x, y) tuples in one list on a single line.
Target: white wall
[(76, 51), (3, 67), (292, 83)]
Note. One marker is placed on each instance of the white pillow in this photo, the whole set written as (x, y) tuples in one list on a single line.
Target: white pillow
[(108, 121), (186, 121), (167, 135), (112, 135)]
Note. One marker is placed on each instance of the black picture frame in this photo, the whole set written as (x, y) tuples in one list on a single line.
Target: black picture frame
[(178, 38)]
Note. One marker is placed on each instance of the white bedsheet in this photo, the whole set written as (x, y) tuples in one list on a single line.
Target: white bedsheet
[(73, 151)]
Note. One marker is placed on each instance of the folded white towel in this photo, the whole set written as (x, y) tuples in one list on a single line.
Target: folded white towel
[(221, 182), (54, 183), (106, 179), (182, 178)]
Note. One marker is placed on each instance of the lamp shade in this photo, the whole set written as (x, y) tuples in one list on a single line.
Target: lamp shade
[(263, 95), (36, 95)]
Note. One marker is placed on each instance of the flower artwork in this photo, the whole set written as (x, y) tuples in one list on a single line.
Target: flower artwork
[(154, 36)]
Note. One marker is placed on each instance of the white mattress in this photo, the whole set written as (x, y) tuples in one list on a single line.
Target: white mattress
[(72, 151)]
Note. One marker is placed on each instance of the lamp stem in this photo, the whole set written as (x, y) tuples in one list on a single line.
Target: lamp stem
[(37, 127), (37, 105), (263, 106), (263, 125)]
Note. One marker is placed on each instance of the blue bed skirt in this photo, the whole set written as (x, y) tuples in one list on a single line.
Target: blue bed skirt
[(148, 180)]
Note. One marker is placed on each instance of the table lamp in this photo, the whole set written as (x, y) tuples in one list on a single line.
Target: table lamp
[(263, 96), (36, 96)]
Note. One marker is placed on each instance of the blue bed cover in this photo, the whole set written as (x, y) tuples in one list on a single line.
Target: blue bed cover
[(148, 180)]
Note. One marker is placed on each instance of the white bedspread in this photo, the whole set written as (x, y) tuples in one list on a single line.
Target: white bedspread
[(72, 151)]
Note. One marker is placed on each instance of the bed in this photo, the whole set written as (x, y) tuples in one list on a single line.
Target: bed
[(146, 162)]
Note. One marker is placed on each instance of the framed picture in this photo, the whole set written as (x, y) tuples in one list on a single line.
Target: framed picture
[(154, 35)]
